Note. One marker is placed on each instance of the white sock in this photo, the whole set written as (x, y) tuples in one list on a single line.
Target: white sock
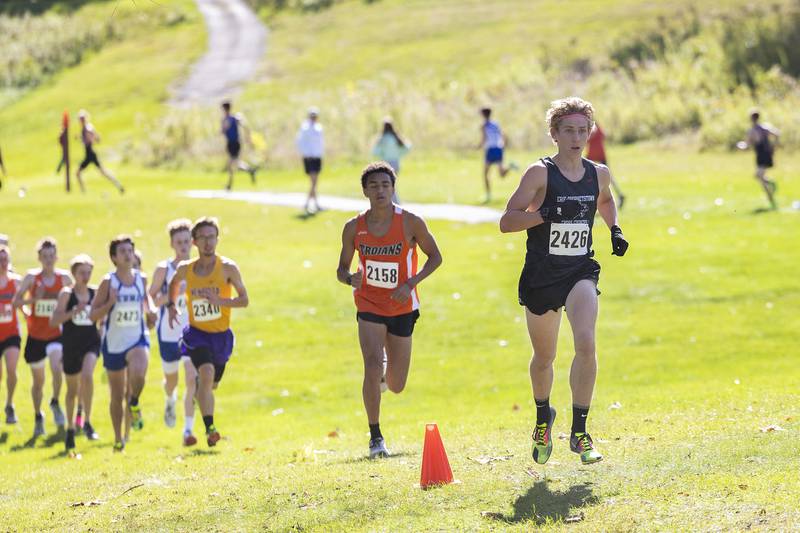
[(188, 424)]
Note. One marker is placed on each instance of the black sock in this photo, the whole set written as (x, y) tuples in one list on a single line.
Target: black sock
[(208, 421), (579, 415), (375, 431), (134, 401), (39, 416), (542, 411), (53, 401)]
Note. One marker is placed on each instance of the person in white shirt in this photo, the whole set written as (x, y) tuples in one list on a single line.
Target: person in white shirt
[(311, 145)]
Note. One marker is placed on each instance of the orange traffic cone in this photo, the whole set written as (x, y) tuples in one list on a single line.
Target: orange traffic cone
[(435, 466)]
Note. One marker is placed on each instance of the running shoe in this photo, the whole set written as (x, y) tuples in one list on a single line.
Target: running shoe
[(581, 443), (58, 415), (542, 439), (137, 422), (119, 447), (169, 412), (189, 439), (79, 418), (69, 442), (377, 448), (252, 173), (89, 431), (38, 427), (11, 415), (212, 436)]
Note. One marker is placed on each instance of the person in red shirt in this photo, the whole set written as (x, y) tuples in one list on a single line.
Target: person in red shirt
[(596, 151), (9, 329), (385, 288), (42, 286)]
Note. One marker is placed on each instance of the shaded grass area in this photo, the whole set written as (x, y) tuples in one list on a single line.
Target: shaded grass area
[(696, 348)]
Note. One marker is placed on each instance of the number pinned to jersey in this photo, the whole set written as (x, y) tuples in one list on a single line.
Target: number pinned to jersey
[(126, 316), (382, 274), (569, 239), (204, 311), (44, 308), (6, 314), (82, 317)]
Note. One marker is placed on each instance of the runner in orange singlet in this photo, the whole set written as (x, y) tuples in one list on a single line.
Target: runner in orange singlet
[(42, 286), (385, 288), (9, 329)]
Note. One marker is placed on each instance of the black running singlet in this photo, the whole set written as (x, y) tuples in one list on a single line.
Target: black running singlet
[(79, 330), (557, 250)]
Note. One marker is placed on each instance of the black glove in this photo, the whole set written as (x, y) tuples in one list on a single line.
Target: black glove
[(618, 243), (567, 210)]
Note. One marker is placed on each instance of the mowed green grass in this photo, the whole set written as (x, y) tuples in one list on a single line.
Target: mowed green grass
[(696, 343)]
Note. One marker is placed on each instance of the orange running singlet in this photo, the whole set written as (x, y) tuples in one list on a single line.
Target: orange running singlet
[(9, 326), (386, 263), (39, 321)]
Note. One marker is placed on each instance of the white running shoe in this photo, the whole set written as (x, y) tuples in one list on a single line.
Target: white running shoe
[(169, 412), (377, 448)]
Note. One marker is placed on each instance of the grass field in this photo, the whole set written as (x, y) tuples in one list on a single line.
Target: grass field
[(696, 342), (696, 338)]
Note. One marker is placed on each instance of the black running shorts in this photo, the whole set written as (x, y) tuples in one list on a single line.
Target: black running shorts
[(11, 342), (399, 326), (91, 158), (540, 300), (234, 147), (201, 356), (312, 165)]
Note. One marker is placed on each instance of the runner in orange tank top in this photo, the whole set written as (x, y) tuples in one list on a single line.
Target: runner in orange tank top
[(41, 286), (385, 288), (9, 330)]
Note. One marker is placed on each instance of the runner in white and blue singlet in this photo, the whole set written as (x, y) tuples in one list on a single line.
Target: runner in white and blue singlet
[(168, 337), (123, 300)]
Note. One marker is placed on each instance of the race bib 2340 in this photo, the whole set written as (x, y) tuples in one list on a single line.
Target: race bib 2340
[(203, 311)]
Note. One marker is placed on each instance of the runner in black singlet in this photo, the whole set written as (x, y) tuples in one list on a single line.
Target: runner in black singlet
[(81, 343), (89, 136), (556, 202), (759, 136)]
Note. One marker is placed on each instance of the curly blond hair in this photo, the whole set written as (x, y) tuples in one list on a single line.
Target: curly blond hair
[(568, 106)]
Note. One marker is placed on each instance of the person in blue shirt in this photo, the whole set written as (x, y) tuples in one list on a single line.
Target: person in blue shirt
[(231, 123), (493, 141)]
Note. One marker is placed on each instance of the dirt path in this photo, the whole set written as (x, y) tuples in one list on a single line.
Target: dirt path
[(471, 214), (236, 43)]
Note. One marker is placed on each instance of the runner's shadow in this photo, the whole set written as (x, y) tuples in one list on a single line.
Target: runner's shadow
[(4, 437), (30, 443), (195, 453), (305, 216), (542, 505), (55, 438), (761, 210), (366, 459)]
